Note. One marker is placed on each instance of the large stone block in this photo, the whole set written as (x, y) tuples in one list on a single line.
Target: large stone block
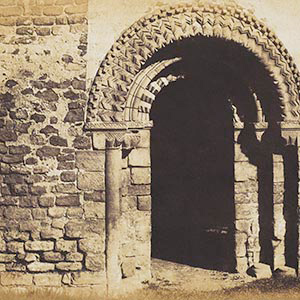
[(52, 256), (48, 280), (278, 171), (51, 234), (5, 258), (239, 155), (244, 171), (88, 278), (66, 246), (15, 247), (75, 256), (139, 190), (92, 244), (15, 278), (141, 175), (68, 200), (17, 213), (69, 266), (140, 157), (91, 181), (90, 160), (128, 267), (39, 246), (246, 211), (95, 262), (56, 212), (40, 267), (94, 210), (144, 203)]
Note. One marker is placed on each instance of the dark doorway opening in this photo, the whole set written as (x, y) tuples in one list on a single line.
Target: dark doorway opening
[(192, 168)]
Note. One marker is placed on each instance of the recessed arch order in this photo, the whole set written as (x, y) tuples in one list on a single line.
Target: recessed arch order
[(120, 91)]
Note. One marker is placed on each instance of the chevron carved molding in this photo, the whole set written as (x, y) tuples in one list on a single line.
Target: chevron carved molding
[(124, 62)]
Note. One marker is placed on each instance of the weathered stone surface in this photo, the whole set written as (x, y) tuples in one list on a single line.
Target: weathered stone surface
[(284, 271), (69, 266), (58, 141), (244, 171), (278, 171), (69, 200), (46, 201), (93, 244), (15, 278), (139, 190), (15, 247), (246, 211), (88, 278), (31, 257), (82, 142), (47, 151), (75, 229), (91, 181), (22, 149), (90, 160), (52, 256), (75, 212), (68, 176), (56, 212), (75, 256), (66, 246), (66, 165), (17, 213), (128, 267), (51, 233), (39, 213), (66, 188), (139, 158), (48, 95), (141, 175), (40, 267), (260, 271), (246, 187), (74, 115), (48, 280), (97, 196), (144, 203), (95, 262), (47, 130), (94, 210), (7, 135), (38, 118), (5, 258), (39, 246)]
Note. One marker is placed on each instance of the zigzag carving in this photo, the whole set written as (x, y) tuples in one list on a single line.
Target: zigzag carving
[(124, 62)]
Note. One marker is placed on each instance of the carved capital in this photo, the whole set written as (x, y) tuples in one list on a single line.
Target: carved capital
[(122, 139)]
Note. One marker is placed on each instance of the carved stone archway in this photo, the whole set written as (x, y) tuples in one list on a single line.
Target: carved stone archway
[(118, 116), (122, 67)]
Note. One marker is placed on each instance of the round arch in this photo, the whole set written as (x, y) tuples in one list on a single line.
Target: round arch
[(121, 79)]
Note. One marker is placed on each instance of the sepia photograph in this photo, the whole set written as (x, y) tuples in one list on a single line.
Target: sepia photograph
[(149, 149)]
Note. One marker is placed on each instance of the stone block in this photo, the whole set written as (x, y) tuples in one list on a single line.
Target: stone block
[(90, 160), (244, 171), (139, 157), (97, 196), (47, 280), (15, 278), (94, 210), (53, 10), (75, 212), (52, 256), (249, 186), (284, 271), (66, 246), (144, 203), (95, 262), (58, 223), (31, 257), (69, 200), (278, 171), (78, 9), (68, 176), (246, 211), (128, 267), (46, 201), (15, 247), (75, 256), (75, 229), (91, 181), (279, 261), (66, 188), (246, 198), (260, 271), (99, 141), (17, 213), (5, 258), (51, 234), (141, 175), (40, 267), (39, 246), (69, 266), (139, 190), (39, 213), (56, 212), (88, 278), (66, 165), (93, 244), (239, 156), (241, 264)]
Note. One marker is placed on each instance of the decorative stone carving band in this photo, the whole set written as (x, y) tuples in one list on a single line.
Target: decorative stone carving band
[(124, 62), (124, 139)]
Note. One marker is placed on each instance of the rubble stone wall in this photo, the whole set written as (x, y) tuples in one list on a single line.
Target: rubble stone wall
[(51, 192)]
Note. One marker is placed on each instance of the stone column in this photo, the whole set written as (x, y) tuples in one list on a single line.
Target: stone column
[(278, 216), (113, 165), (246, 209)]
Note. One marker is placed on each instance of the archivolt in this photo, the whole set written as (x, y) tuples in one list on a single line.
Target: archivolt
[(123, 66)]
